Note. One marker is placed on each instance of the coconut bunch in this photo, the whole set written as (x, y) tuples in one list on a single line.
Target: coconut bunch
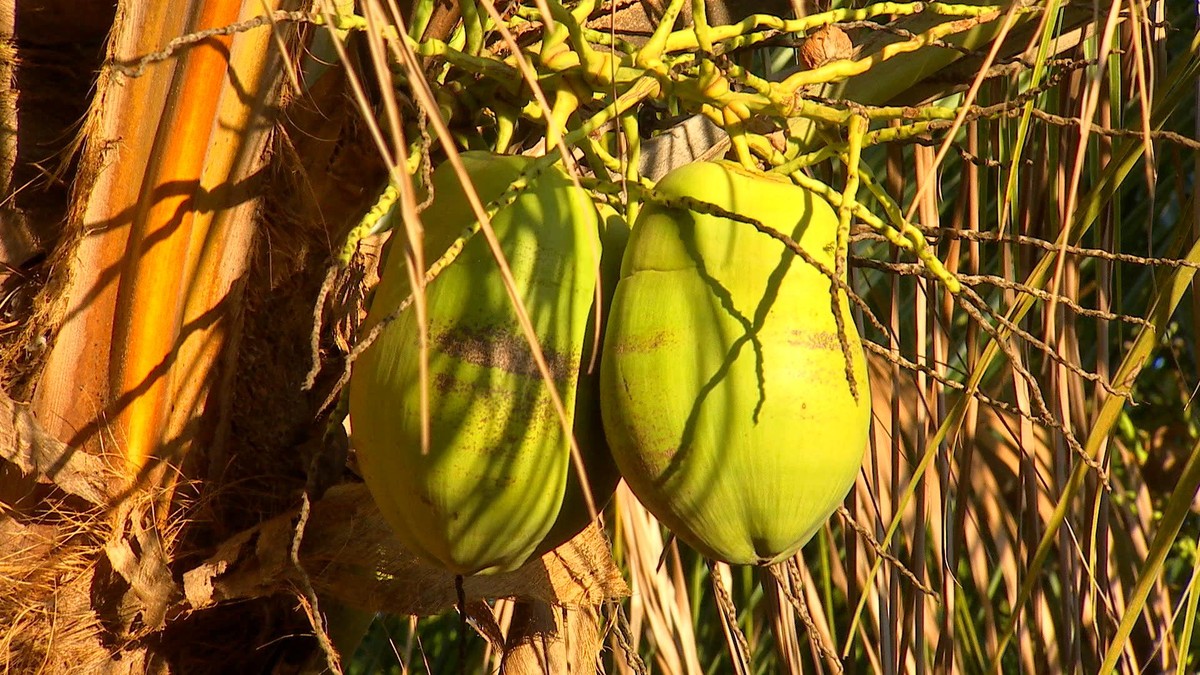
[(590, 294)]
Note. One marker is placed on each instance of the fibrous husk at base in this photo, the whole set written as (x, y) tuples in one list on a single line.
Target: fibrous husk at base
[(545, 639), (46, 460), (54, 609), (350, 553), (50, 571)]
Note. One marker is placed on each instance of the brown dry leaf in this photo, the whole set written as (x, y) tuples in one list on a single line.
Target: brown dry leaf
[(45, 459), (140, 557), (350, 553)]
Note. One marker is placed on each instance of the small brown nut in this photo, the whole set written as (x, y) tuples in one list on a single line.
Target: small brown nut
[(829, 43)]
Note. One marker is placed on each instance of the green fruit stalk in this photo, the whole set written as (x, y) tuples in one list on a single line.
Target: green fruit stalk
[(724, 383), (491, 488)]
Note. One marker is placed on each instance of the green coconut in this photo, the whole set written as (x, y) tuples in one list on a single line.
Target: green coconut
[(724, 386), (497, 486)]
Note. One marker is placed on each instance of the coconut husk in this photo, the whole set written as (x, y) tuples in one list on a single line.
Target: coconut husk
[(350, 553), (346, 551), (545, 639)]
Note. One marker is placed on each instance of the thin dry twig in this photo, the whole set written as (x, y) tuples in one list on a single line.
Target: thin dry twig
[(622, 632), (1039, 401), (918, 269), (798, 602), (740, 649), (882, 553), (1046, 245), (138, 66), (308, 595), (314, 339)]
